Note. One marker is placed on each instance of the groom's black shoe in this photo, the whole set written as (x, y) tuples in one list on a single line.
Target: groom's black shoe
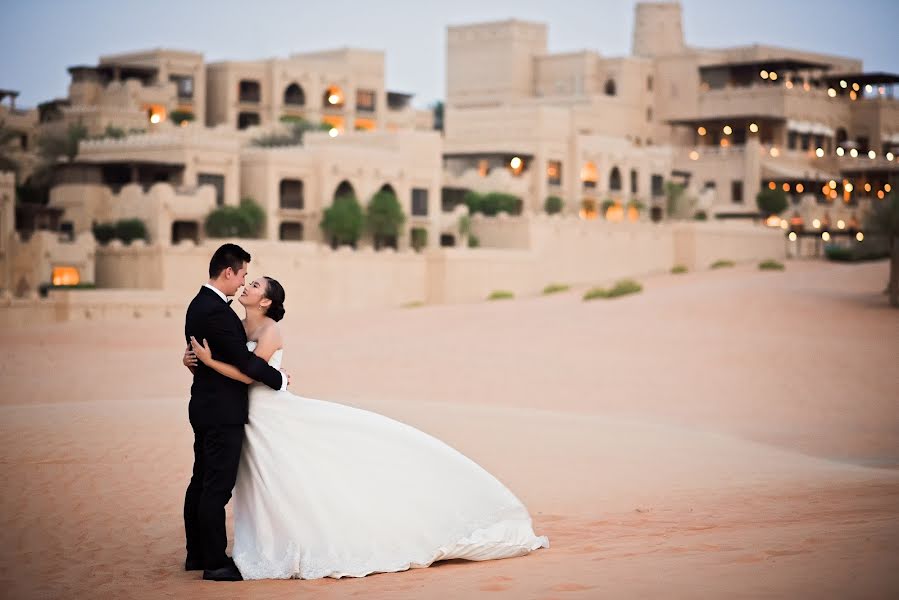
[(226, 573), (192, 564)]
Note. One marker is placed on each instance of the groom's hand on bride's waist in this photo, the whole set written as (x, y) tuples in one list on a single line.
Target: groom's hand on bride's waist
[(286, 379)]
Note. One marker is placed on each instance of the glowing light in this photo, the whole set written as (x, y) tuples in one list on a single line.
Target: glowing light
[(724, 142), (853, 153), (855, 87), (333, 132), (848, 187), (792, 236), (819, 152), (840, 152), (832, 92), (872, 155), (832, 184), (701, 131), (789, 85), (728, 130), (890, 156), (888, 187), (869, 88), (825, 236), (333, 99), (773, 76), (880, 194), (867, 187), (772, 185), (843, 83), (155, 118), (833, 194), (786, 187), (784, 224), (806, 86), (515, 162), (800, 188), (773, 221), (775, 152), (816, 223), (860, 236), (754, 128), (694, 155), (764, 74), (853, 96), (841, 224)]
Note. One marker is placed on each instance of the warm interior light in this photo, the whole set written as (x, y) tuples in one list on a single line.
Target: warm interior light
[(515, 163), (825, 236), (890, 156), (816, 223), (773, 76), (772, 185), (832, 184), (888, 187), (784, 224), (848, 187), (786, 187), (65, 276), (775, 152), (333, 132), (880, 194), (853, 153), (694, 155), (701, 131), (867, 187), (832, 92), (728, 130), (841, 224), (860, 236), (855, 86), (872, 155), (853, 95), (819, 152), (800, 188), (724, 142), (764, 74), (840, 152), (753, 127), (792, 236), (789, 84)]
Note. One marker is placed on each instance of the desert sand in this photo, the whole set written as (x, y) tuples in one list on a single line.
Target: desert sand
[(730, 433)]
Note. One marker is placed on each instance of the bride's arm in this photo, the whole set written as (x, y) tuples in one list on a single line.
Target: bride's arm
[(205, 355), (269, 341)]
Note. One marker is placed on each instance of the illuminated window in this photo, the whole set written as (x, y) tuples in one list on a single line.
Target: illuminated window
[(554, 172), (66, 276), (365, 100), (589, 175), (333, 97)]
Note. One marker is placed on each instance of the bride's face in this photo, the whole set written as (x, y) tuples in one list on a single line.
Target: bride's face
[(253, 295)]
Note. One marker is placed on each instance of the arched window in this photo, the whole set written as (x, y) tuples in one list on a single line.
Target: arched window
[(610, 87), (589, 174), (344, 189), (615, 180), (333, 97), (294, 95)]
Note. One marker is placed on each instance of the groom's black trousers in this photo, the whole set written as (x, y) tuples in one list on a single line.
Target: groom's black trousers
[(216, 458)]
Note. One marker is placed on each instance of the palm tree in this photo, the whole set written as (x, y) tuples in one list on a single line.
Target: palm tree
[(884, 220)]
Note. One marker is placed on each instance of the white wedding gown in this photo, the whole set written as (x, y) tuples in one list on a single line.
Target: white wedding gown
[(326, 490)]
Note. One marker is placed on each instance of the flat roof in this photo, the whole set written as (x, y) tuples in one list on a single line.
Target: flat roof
[(873, 78), (770, 64)]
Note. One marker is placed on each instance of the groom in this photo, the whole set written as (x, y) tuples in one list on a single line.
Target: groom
[(218, 412)]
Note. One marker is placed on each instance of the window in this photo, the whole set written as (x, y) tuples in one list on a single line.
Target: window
[(185, 230), (290, 231), (365, 100), (615, 180), (250, 91), (294, 95), (736, 191), (215, 180), (419, 202), (649, 114), (634, 183), (184, 85), (863, 143), (291, 193), (806, 140), (657, 183), (447, 240), (23, 140), (792, 140), (247, 119), (710, 185), (649, 83), (554, 172), (610, 87)]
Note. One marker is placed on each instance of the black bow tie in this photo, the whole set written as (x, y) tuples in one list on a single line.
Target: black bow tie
[(229, 302)]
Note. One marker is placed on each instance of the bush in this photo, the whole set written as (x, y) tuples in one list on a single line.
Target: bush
[(678, 269), (384, 217), (636, 204), (103, 232), (419, 238), (553, 205), (115, 133), (873, 248), (492, 203), (721, 264), (621, 288), (342, 221), (44, 288), (677, 204), (178, 116), (297, 128), (606, 205), (501, 295), (474, 241), (245, 221), (555, 288), (771, 202), (700, 215), (771, 265), (129, 230)]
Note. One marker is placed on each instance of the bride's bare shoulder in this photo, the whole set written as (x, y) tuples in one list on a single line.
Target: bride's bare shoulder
[(271, 331)]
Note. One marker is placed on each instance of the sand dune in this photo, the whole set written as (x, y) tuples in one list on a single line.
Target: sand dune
[(730, 433)]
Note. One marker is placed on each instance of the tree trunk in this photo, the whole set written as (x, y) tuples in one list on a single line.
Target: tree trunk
[(894, 272)]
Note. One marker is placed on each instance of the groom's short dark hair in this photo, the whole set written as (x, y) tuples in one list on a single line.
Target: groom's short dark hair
[(228, 255)]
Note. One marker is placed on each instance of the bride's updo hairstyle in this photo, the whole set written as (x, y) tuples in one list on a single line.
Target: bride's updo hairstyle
[(275, 293)]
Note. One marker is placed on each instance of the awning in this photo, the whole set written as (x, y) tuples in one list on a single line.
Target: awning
[(777, 170)]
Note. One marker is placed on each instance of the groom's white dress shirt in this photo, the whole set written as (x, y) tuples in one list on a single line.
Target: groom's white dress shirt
[(225, 299)]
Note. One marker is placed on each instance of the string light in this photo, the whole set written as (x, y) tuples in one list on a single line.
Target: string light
[(764, 74), (792, 236), (819, 152), (694, 155), (753, 127), (825, 236), (701, 131), (786, 187), (816, 223), (860, 236), (800, 188), (832, 92), (872, 155), (888, 187), (728, 130), (772, 185), (853, 153), (841, 224), (843, 83), (840, 152)]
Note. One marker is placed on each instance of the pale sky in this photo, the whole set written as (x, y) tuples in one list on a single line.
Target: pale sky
[(40, 39)]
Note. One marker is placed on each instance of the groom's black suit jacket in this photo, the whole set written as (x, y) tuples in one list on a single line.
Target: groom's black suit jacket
[(216, 399)]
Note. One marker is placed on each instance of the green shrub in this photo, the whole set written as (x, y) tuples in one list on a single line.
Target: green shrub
[(555, 288), (771, 202), (244, 221), (622, 287), (721, 264), (413, 304), (255, 215), (419, 238), (636, 204), (178, 116), (553, 205), (474, 241), (605, 206), (700, 215), (342, 222), (501, 295), (44, 288), (129, 230), (771, 265), (103, 232), (115, 133), (873, 248), (384, 217), (678, 269), (491, 203)]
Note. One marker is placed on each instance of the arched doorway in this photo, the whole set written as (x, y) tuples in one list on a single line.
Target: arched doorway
[(294, 95)]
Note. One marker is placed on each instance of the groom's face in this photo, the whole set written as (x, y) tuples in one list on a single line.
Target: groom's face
[(236, 280)]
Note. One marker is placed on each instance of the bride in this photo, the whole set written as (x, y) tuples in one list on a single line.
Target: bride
[(327, 490)]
